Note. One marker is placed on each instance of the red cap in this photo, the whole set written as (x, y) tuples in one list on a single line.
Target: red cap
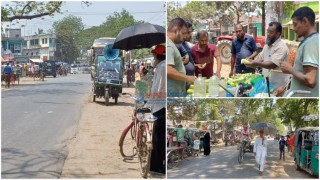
[(159, 49)]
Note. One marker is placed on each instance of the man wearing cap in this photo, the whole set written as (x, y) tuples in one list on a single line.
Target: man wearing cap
[(157, 101), (176, 72)]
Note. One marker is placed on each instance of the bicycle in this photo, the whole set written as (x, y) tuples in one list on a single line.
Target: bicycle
[(141, 136), (173, 157), (242, 150)]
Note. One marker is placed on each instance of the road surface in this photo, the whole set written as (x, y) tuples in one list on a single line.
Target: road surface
[(94, 152), (37, 122), (223, 163)]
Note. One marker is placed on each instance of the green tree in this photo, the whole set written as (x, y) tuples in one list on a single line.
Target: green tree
[(110, 28), (193, 11), (66, 31), (291, 111), (208, 109), (181, 109), (141, 53), (31, 9)]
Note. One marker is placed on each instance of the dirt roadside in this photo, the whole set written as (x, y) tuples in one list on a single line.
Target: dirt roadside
[(23, 82), (94, 151)]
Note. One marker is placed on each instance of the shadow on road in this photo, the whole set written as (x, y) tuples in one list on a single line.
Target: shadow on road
[(18, 164)]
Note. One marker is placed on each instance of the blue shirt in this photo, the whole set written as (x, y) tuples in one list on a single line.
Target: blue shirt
[(243, 48), (7, 70), (282, 143), (185, 49)]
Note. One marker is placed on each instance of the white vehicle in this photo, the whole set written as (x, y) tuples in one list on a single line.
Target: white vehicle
[(74, 69)]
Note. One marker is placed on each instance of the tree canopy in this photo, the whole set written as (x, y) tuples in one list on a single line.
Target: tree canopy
[(66, 31), (238, 112), (110, 28), (31, 9)]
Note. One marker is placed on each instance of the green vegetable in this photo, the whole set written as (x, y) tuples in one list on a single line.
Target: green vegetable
[(245, 61), (190, 91)]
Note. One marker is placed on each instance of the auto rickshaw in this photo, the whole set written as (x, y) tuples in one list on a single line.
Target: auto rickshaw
[(306, 150), (108, 79)]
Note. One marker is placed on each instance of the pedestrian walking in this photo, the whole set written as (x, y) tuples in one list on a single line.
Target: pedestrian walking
[(291, 142), (287, 143), (130, 75), (260, 151), (206, 144), (282, 144)]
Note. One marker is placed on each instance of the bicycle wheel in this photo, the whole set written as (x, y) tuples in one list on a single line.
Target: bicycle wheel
[(127, 143), (172, 159), (240, 156), (189, 152), (144, 154), (133, 131)]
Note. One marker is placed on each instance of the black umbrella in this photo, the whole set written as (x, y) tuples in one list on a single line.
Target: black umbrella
[(263, 125), (140, 36)]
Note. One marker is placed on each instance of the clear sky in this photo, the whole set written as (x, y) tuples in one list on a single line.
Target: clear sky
[(94, 15)]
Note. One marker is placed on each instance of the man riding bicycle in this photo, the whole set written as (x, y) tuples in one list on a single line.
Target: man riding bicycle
[(7, 72), (245, 137)]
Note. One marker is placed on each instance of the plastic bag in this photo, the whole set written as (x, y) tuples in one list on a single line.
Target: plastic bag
[(261, 87)]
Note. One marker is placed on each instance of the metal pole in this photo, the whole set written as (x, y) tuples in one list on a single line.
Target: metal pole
[(130, 59)]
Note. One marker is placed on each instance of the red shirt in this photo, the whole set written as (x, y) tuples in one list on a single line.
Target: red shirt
[(205, 57)]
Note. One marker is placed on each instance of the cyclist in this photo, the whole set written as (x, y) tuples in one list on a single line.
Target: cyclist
[(245, 137), (7, 72)]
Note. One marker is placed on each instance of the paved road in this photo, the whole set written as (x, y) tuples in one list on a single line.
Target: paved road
[(37, 122), (223, 163)]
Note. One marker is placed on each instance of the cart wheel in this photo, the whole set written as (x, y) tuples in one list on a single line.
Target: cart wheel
[(116, 100), (94, 98), (106, 97)]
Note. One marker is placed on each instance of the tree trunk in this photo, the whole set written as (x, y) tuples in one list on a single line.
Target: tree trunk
[(263, 8), (271, 13)]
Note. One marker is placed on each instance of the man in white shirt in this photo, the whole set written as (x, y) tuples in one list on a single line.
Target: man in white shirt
[(260, 151), (274, 52)]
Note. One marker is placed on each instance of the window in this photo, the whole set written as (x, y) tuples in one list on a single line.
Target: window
[(34, 42), (45, 41)]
